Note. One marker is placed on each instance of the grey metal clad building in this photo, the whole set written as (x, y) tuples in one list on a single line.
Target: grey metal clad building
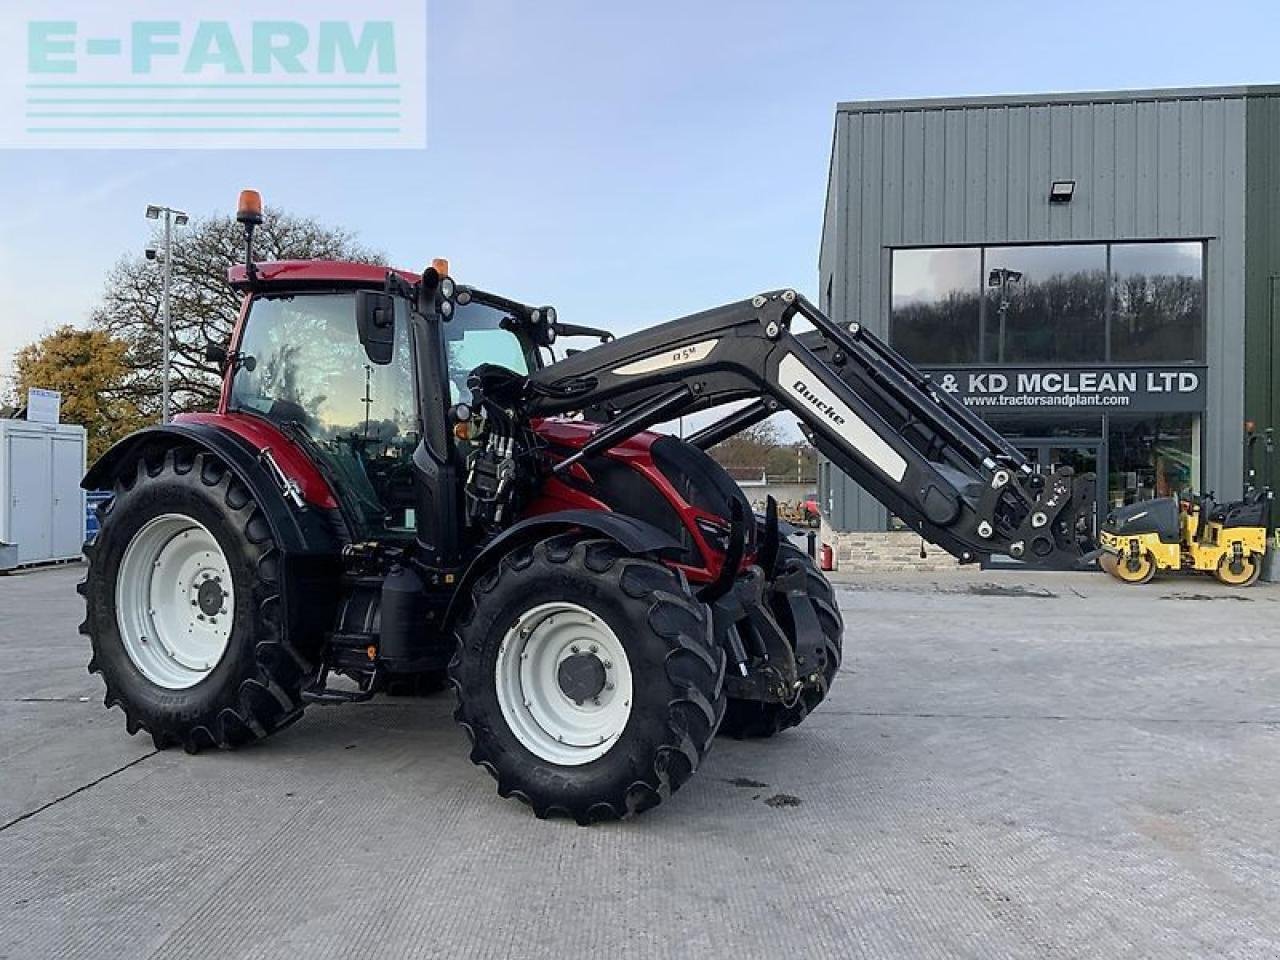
[(1095, 273)]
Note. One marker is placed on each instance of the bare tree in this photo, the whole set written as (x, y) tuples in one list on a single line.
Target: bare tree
[(747, 451), (205, 308)]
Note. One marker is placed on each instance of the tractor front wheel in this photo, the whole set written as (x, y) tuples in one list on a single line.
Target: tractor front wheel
[(586, 678), (182, 607)]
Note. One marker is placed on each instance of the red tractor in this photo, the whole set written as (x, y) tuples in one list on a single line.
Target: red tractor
[(402, 486)]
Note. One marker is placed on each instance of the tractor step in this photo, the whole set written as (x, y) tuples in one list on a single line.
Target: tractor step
[(323, 695), (320, 692)]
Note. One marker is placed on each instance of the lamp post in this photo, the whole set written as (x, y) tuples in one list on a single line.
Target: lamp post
[(172, 218), (1001, 277)]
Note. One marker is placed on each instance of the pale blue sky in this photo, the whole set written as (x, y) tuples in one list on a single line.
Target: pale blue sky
[(627, 162)]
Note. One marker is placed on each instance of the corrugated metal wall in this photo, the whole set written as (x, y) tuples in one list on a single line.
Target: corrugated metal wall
[(1156, 165), (1262, 276)]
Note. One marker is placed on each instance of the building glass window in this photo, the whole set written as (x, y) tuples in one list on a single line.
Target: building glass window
[(1157, 297), (1050, 303), (1153, 455), (1046, 304), (937, 303)]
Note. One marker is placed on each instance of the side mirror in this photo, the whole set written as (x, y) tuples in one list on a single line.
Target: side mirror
[(376, 324)]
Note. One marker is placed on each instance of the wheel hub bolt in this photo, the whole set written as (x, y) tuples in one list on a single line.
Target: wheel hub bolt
[(574, 649)]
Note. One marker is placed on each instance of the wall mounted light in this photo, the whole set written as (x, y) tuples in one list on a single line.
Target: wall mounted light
[(1062, 191)]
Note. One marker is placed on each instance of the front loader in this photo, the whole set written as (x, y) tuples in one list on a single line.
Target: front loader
[(401, 484)]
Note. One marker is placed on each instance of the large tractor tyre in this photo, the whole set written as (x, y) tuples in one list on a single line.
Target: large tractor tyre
[(183, 611), (586, 678), (751, 719), (1239, 571)]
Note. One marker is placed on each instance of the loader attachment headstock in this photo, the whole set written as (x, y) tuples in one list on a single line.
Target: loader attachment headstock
[(929, 460)]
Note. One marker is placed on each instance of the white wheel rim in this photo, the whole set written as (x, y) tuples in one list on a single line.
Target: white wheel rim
[(175, 601), (542, 714)]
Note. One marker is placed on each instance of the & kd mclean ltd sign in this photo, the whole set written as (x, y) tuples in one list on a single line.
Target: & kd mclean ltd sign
[(1143, 389)]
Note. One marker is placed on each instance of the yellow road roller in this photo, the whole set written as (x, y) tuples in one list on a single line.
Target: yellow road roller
[(1194, 535)]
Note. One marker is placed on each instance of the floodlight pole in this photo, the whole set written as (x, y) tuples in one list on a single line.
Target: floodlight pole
[(168, 280), (179, 218)]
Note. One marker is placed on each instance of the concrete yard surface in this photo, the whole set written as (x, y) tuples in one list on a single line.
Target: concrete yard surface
[(1011, 765)]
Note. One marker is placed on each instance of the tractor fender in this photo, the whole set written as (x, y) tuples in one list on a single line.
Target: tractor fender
[(633, 535), (297, 531)]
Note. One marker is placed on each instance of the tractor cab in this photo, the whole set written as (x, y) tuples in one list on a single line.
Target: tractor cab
[(360, 380)]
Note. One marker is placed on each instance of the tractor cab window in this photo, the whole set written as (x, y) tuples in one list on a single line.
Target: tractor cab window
[(300, 364), (480, 333)]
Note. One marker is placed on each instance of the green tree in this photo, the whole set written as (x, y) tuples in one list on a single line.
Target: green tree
[(89, 368), (205, 308)]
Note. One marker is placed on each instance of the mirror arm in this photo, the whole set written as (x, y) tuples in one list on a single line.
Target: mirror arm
[(573, 330)]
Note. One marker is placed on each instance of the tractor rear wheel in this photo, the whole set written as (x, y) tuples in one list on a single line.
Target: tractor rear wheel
[(182, 604), (586, 678), (797, 572)]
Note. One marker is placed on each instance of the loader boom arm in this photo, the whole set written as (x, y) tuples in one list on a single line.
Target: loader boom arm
[(929, 460)]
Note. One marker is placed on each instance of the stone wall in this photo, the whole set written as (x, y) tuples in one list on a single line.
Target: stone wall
[(896, 550)]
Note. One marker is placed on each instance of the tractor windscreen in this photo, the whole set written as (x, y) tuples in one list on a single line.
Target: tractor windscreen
[(300, 364), (479, 333)]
